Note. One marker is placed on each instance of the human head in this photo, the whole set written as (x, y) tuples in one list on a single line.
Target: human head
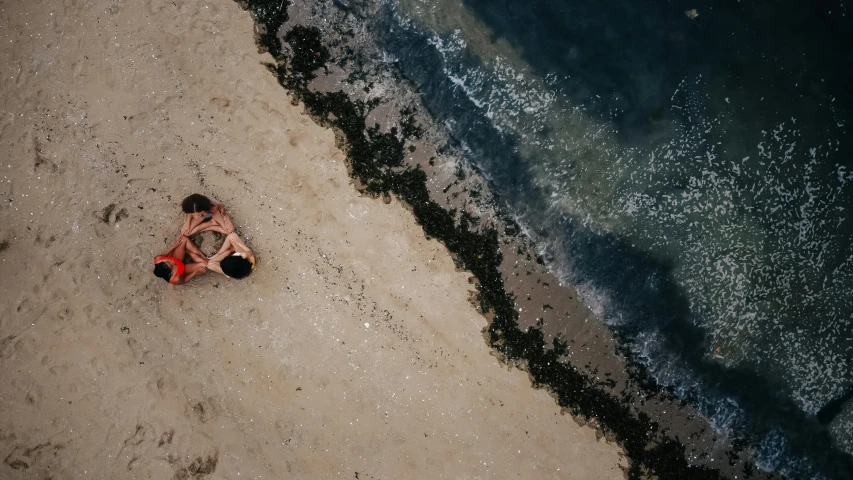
[(196, 203), (236, 266), (163, 271)]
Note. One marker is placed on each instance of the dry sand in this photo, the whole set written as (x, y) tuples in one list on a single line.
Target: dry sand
[(352, 351)]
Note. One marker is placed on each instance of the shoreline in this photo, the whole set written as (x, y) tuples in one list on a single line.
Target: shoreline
[(704, 446), (627, 383), (330, 359)]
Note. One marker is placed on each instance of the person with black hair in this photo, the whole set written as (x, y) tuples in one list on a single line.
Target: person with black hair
[(197, 203), (234, 259), (199, 210), (170, 264)]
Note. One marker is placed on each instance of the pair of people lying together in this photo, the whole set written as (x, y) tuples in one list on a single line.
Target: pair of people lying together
[(234, 259)]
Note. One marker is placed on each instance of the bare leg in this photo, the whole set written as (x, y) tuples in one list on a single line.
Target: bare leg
[(194, 253), (193, 270), (181, 249)]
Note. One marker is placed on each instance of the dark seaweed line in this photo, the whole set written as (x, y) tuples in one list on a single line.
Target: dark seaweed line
[(376, 161)]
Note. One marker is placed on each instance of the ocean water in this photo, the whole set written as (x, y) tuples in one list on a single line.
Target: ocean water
[(687, 165)]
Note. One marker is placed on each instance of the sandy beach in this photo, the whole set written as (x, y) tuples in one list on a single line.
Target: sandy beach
[(352, 351)]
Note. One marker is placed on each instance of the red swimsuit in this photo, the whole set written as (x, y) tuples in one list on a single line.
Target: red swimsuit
[(179, 266)]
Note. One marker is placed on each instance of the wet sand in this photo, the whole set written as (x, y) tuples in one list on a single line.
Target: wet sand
[(353, 350), (592, 378)]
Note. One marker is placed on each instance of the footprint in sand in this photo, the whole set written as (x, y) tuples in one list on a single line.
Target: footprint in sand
[(7, 347), (20, 346), (111, 214), (138, 435), (37, 460), (161, 382), (44, 239), (166, 438), (35, 395), (137, 445), (43, 161), (48, 357), (197, 468), (201, 410), (199, 407), (220, 103), (154, 6), (98, 366)]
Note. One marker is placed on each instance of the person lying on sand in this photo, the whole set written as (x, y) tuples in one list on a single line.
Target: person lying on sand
[(170, 264)]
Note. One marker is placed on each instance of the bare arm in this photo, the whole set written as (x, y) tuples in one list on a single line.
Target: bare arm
[(226, 249), (188, 225), (223, 221), (192, 224), (210, 226), (192, 270), (238, 246), (214, 267), (176, 249), (219, 223)]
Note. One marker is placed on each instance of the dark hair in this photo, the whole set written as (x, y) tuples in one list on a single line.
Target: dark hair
[(236, 266), (163, 271), (196, 203)]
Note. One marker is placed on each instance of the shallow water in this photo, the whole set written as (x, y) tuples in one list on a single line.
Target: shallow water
[(690, 173)]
